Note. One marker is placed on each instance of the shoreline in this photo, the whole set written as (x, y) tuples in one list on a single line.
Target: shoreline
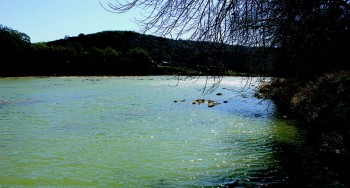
[(135, 76)]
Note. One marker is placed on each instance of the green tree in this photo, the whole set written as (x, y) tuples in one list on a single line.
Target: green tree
[(139, 60), (15, 50), (302, 39), (309, 34), (313, 36)]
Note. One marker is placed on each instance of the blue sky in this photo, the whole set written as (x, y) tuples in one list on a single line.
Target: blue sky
[(47, 20)]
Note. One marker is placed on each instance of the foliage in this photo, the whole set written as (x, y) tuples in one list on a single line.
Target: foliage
[(322, 101), (325, 100), (309, 34), (124, 53), (9, 35), (322, 105), (14, 47), (313, 36)]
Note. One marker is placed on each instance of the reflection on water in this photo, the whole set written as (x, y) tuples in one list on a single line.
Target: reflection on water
[(128, 132)]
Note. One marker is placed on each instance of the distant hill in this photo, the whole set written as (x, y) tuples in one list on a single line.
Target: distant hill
[(125, 53)]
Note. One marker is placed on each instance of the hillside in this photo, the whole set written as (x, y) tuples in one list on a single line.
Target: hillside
[(124, 53)]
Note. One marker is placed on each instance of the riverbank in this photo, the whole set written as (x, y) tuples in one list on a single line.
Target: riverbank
[(118, 132), (321, 105)]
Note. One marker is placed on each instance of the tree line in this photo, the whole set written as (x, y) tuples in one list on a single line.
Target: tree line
[(312, 35), (311, 72), (122, 53)]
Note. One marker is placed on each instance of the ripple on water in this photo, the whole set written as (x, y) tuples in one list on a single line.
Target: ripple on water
[(126, 132)]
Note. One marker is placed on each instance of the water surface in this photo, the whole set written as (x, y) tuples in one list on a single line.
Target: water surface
[(129, 132)]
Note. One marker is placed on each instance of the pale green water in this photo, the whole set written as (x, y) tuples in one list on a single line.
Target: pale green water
[(128, 132)]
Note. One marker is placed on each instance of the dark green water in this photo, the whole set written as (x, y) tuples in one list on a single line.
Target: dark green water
[(129, 132)]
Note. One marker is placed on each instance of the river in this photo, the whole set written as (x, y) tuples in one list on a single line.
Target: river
[(129, 132)]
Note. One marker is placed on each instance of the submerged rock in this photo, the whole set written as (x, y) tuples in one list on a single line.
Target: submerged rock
[(213, 103), (210, 103), (181, 100), (198, 101)]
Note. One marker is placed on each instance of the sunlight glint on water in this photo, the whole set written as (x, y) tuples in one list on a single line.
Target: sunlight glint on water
[(128, 132)]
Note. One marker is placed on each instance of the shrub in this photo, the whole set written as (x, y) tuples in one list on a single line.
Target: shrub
[(325, 101)]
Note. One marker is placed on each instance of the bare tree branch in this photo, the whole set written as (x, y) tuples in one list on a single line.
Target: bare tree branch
[(227, 21)]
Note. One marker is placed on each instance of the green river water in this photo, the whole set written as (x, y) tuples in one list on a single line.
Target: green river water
[(129, 132)]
